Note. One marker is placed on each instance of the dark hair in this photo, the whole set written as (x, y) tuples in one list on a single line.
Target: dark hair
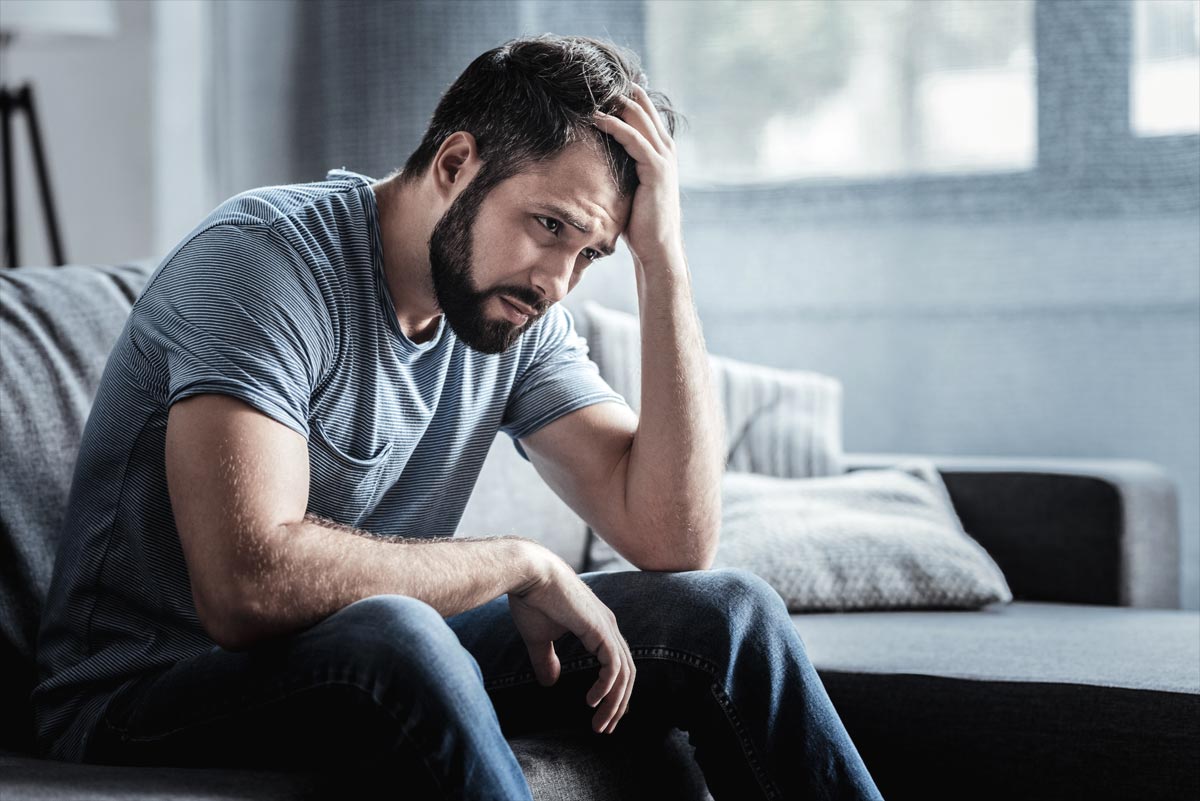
[(528, 99)]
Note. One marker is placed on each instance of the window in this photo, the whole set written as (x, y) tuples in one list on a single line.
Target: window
[(1166, 67), (780, 90)]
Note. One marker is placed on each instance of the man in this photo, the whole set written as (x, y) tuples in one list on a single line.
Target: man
[(257, 568)]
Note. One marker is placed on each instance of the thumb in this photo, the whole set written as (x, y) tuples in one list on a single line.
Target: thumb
[(545, 662)]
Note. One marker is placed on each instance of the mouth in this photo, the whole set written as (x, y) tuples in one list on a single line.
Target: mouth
[(516, 312)]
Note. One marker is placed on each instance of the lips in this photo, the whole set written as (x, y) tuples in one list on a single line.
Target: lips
[(522, 308), (514, 311)]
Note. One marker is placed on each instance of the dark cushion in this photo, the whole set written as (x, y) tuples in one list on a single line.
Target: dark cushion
[(1024, 700), (1067, 530), (1075, 555)]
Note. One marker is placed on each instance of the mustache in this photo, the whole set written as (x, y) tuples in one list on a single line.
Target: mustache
[(526, 296)]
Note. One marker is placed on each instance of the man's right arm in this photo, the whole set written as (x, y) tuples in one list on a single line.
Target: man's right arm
[(239, 484), (260, 568)]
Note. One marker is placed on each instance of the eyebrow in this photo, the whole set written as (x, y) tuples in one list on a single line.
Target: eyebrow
[(576, 222)]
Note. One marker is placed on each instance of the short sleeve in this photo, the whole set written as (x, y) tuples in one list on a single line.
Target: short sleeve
[(559, 379), (237, 312)]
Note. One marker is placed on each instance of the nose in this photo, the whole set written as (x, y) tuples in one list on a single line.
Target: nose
[(552, 278)]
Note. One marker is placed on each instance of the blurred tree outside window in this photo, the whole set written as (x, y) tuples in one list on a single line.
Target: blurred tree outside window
[(776, 90), (1166, 67)]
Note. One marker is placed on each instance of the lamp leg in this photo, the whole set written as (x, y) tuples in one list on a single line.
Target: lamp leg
[(39, 158), (7, 105)]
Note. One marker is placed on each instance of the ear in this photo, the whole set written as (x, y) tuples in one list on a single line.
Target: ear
[(455, 164)]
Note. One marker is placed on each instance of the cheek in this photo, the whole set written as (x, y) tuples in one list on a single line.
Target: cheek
[(502, 251)]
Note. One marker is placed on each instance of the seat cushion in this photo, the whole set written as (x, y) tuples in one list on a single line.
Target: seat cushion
[(1024, 700), (581, 767), (29, 778)]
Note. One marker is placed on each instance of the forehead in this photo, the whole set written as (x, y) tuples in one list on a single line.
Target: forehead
[(577, 179)]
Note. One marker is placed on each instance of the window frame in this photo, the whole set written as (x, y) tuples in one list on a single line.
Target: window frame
[(1089, 161)]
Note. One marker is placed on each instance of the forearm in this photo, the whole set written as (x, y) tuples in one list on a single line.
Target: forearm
[(673, 477), (301, 573)]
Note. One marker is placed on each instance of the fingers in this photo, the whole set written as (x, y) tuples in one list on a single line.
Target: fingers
[(642, 119), (607, 712), (546, 666), (610, 671), (596, 627), (629, 137), (614, 685), (632, 675), (638, 127), (643, 99)]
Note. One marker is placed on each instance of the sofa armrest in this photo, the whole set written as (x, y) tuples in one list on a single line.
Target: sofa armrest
[(1097, 531)]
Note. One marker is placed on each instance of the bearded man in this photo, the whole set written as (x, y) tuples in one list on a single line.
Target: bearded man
[(258, 565)]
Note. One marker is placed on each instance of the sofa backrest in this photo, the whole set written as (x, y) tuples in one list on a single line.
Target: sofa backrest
[(57, 326), (511, 498), (785, 423)]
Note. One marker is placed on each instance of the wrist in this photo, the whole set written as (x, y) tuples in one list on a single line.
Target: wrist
[(665, 258), (534, 565)]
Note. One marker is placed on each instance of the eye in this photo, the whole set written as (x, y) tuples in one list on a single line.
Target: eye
[(549, 223), (554, 226)]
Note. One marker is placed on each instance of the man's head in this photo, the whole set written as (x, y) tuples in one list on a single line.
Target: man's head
[(512, 148)]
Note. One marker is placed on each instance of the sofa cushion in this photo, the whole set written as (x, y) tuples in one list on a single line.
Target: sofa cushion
[(511, 498), (57, 326), (1023, 700), (777, 422), (873, 539)]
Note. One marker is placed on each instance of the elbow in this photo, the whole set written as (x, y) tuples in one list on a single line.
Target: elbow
[(698, 553), (674, 564), (232, 638), (704, 556), (234, 625)]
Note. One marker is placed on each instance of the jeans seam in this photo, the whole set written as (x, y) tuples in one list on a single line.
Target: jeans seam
[(580, 662), (525, 676), (764, 781), (725, 703), (123, 731)]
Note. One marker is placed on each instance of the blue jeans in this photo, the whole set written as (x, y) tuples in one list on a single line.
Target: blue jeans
[(387, 684)]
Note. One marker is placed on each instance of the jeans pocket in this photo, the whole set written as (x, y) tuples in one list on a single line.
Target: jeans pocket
[(343, 486)]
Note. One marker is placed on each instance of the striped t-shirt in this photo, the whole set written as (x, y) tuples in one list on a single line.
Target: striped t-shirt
[(278, 298)]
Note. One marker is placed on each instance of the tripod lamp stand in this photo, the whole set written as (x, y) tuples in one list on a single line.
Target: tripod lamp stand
[(35, 19)]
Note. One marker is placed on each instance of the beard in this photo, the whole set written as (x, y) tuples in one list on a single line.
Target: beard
[(457, 295)]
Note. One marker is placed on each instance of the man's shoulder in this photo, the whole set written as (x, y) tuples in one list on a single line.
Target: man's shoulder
[(289, 209), (555, 330)]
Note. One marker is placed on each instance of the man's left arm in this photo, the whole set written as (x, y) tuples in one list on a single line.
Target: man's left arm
[(650, 487)]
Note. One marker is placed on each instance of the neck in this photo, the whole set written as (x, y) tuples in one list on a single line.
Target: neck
[(405, 223)]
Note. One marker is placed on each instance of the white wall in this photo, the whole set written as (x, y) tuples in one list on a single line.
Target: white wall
[(186, 154), (93, 98)]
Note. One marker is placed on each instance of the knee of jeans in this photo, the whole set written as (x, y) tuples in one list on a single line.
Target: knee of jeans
[(730, 594), (400, 633)]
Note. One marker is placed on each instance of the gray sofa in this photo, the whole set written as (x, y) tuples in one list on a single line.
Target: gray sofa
[(1086, 686)]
